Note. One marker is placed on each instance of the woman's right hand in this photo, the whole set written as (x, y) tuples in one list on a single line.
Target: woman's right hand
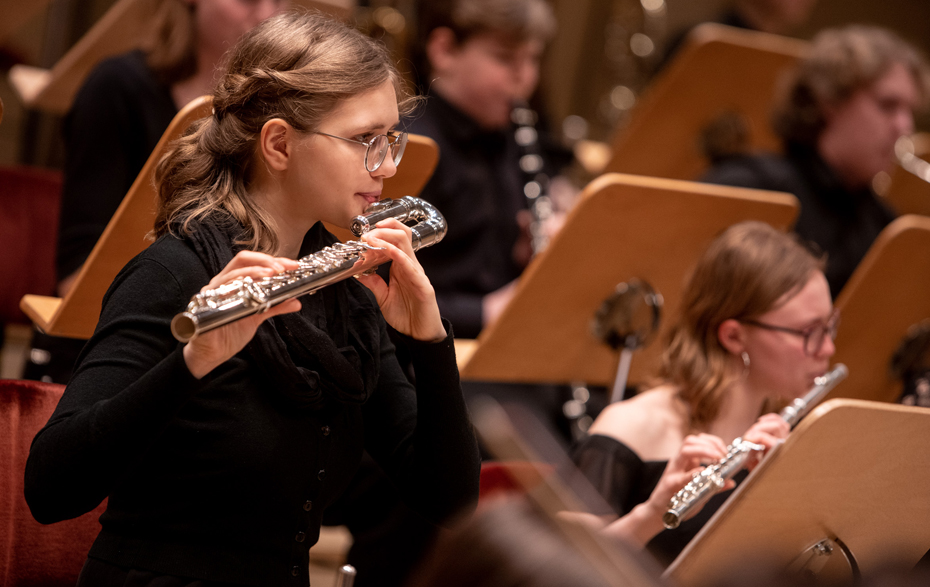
[(696, 452), (206, 351)]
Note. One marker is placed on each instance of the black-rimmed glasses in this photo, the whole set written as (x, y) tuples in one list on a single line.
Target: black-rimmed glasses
[(814, 335), (378, 147)]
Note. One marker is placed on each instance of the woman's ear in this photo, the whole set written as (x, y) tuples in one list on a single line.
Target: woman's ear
[(276, 143), (732, 336), (441, 47)]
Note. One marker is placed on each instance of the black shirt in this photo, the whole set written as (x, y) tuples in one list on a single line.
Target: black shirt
[(220, 479), (478, 187), (117, 118), (842, 222)]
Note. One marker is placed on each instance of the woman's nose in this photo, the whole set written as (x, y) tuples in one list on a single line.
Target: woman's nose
[(387, 168), (827, 348)]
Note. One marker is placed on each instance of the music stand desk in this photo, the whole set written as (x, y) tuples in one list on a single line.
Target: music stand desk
[(720, 69), (852, 470), (888, 293), (622, 227)]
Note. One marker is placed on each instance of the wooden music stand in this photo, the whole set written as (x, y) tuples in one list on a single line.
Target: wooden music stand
[(622, 227), (125, 26), (720, 69), (888, 293), (76, 315), (852, 470), (909, 190)]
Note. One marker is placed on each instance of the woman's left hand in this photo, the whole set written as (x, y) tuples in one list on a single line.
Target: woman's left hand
[(409, 302)]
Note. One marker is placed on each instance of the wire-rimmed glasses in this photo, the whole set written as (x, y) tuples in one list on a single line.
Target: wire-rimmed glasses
[(814, 335), (378, 147)]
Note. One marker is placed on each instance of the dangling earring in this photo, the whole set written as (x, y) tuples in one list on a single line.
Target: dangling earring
[(745, 356)]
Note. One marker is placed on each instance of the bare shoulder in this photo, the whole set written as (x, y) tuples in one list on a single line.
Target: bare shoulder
[(650, 423)]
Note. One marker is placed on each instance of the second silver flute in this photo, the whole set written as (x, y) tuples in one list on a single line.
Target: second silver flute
[(712, 478), (243, 297)]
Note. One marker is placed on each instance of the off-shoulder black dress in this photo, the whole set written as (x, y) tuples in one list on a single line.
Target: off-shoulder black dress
[(624, 480)]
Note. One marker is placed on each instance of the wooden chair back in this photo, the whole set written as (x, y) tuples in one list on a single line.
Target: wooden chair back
[(76, 315)]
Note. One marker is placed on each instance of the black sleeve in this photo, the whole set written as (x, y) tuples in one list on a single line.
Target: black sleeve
[(423, 438), (464, 310), (131, 381), (612, 468)]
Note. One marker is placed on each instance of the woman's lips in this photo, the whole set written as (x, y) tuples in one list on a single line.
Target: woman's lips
[(370, 197)]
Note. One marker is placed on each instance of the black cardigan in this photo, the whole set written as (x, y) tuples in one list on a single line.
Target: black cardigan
[(220, 479)]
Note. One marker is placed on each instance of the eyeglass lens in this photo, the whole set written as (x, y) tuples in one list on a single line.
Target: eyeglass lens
[(818, 334), (379, 148)]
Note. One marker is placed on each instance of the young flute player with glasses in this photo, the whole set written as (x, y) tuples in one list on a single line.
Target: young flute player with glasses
[(220, 456), (755, 329)]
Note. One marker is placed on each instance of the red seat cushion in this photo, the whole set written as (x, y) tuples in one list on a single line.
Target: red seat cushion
[(34, 554), (500, 478)]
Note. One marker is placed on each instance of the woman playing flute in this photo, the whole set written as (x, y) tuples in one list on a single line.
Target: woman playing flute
[(756, 327), (219, 456)]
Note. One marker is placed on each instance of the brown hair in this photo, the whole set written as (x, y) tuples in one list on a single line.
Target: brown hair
[(745, 272), (296, 66), (519, 20), (841, 62), (171, 51)]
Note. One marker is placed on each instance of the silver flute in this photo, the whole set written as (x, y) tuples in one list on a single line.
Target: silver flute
[(243, 297), (713, 477)]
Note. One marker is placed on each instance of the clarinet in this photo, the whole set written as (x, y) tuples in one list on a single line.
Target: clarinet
[(536, 187), (243, 297), (541, 208), (712, 478)]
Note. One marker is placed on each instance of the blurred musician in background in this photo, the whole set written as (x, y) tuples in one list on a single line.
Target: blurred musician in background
[(756, 326), (117, 118), (477, 60), (839, 117)]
